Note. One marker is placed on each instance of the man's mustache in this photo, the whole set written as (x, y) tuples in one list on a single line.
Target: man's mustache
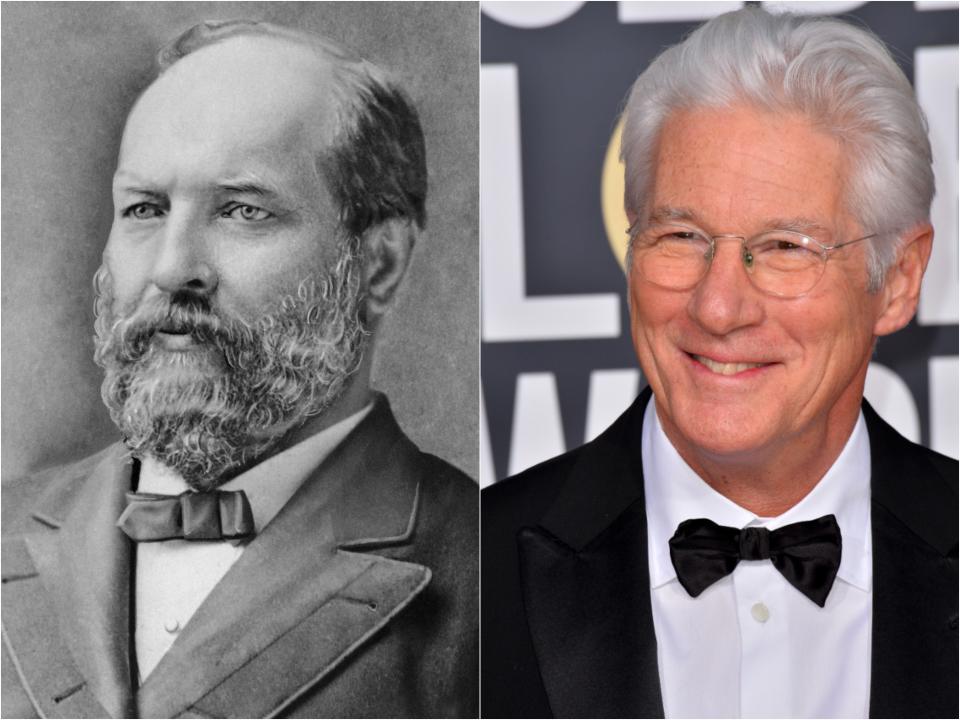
[(178, 313)]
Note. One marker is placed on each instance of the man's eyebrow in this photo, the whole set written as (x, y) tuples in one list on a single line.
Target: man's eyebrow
[(668, 213), (143, 192), (251, 186), (131, 182), (804, 225), (246, 188), (798, 224)]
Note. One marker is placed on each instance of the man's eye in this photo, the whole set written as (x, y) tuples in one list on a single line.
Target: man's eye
[(680, 237), (781, 246), (787, 245), (143, 211), (249, 213)]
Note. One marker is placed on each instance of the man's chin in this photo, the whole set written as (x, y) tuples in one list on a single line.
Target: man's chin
[(190, 360), (204, 444), (730, 430), (182, 379)]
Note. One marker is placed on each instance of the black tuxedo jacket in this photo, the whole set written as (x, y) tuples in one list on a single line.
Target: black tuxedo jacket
[(566, 622), (359, 599)]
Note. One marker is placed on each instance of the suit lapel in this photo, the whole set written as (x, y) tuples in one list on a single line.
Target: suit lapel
[(586, 585), (82, 578), (45, 665), (914, 655), (299, 600), (585, 582)]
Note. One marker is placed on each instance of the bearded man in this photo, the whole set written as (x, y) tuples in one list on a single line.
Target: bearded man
[(265, 541)]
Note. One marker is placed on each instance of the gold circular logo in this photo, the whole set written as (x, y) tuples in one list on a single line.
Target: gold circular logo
[(611, 198)]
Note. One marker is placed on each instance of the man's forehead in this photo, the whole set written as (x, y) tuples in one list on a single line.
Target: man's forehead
[(261, 60), (776, 168), (247, 86)]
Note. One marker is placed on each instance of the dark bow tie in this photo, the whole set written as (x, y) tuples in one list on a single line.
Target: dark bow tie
[(217, 515), (807, 554)]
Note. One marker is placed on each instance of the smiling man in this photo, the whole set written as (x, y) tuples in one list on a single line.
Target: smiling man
[(265, 541), (749, 539)]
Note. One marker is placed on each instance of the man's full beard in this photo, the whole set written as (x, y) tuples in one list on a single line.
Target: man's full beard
[(231, 398)]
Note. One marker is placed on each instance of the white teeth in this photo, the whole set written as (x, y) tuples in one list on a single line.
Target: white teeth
[(726, 368)]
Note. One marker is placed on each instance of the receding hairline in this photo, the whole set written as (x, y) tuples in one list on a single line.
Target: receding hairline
[(350, 73), (377, 164), (323, 91), (297, 57), (211, 34)]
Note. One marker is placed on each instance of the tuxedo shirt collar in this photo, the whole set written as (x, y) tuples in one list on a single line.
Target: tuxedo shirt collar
[(268, 484), (674, 492)]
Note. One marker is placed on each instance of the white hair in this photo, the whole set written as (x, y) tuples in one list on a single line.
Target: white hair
[(839, 76)]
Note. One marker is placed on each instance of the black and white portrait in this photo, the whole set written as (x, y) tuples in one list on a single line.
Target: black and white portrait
[(239, 360)]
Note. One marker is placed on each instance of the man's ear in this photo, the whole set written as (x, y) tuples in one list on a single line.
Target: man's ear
[(387, 248), (901, 289)]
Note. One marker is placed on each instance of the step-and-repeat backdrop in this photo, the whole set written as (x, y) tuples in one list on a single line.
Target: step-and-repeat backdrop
[(556, 357)]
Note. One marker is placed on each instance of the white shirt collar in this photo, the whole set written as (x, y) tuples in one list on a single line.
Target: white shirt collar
[(674, 492), (269, 484)]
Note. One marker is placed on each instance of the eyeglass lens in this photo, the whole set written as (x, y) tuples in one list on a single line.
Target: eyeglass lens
[(781, 263)]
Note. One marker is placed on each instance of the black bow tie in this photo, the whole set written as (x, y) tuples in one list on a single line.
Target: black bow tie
[(807, 554), (217, 515)]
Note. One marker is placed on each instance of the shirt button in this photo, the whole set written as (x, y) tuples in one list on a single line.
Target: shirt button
[(760, 612), (171, 626)]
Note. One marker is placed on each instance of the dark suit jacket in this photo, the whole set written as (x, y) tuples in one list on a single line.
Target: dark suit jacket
[(359, 599), (566, 618)]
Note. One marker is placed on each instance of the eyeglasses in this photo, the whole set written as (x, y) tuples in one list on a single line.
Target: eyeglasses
[(782, 263)]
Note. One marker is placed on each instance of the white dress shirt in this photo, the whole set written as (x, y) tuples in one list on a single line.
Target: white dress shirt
[(175, 576), (752, 645)]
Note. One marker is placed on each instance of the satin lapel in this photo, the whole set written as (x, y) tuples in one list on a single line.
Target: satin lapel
[(586, 585), (84, 569), (297, 604), (914, 655)]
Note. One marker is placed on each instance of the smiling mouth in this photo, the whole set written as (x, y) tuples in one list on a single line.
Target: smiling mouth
[(726, 368)]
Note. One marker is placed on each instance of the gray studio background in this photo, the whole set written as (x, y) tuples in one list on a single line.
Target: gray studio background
[(70, 73)]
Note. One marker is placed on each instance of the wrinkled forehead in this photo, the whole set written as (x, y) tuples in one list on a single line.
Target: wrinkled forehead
[(245, 91), (748, 167)]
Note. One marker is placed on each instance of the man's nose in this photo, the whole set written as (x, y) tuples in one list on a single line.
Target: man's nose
[(183, 260), (725, 299)]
